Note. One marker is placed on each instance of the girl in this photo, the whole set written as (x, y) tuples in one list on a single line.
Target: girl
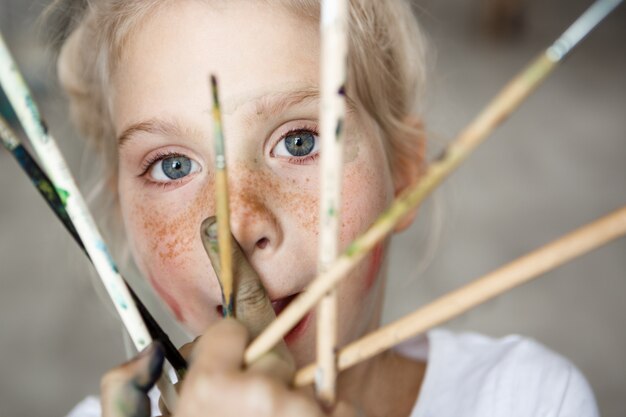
[(136, 74)]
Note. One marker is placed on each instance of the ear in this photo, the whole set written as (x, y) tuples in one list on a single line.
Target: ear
[(408, 161)]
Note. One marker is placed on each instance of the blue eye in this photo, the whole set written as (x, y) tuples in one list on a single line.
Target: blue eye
[(299, 143), (173, 168)]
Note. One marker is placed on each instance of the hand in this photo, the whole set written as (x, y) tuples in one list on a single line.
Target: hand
[(124, 390), (216, 383)]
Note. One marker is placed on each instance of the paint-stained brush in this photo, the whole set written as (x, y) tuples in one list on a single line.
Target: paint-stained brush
[(55, 201), (49, 154), (334, 55), (46, 149), (522, 270), (223, 214), (494, 114)]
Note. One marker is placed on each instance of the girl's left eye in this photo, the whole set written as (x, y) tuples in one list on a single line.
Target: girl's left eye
[(173, 168), (298, 144)]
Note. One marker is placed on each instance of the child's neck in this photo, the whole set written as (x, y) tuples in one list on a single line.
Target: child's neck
[(388, 384), (392, 384)]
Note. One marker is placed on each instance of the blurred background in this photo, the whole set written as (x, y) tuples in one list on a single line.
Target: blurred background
[(558, 163)]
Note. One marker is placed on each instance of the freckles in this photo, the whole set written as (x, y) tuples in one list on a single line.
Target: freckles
[(167, 237), (364, 198), (260, 187), (304, 208), (173, 235), (246, 198)]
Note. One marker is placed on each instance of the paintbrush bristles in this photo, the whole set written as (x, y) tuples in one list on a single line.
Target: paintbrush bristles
[(453, 304), (222, 210)]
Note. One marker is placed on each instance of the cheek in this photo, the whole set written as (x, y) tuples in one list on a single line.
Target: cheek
[(374, 264), (366, 194), (165, 241), (169, 231), (167, 296)]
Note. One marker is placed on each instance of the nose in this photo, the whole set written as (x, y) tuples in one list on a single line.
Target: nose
[(253, 222)]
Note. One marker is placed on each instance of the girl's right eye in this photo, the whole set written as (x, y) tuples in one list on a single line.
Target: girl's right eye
[(172, 168), (297, 146)]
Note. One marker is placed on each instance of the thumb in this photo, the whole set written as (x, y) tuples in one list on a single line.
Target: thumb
[(124, 390), (253, 308)]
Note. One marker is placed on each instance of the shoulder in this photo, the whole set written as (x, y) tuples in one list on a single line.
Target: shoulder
[(511, 376)]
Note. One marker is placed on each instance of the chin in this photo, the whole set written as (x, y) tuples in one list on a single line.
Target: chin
[(301, 340)]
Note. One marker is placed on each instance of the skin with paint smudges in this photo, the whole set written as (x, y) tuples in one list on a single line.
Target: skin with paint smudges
[(166, 175)]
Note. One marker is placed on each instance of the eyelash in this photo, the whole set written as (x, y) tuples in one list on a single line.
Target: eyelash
[(295, 160), (149, 163), (159, 156)]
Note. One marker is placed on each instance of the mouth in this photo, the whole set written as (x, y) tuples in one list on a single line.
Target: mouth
[(278, 306)]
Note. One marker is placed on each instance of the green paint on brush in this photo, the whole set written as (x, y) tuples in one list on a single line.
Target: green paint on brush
[(56, 198), (63, 195), (352, 249)]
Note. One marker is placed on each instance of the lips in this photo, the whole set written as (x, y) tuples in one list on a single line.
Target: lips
[(278, 305)]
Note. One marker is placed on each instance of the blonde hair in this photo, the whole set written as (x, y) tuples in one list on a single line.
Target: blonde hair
[(386, 68)]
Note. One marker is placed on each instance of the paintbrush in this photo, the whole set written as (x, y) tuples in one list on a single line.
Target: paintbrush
[(47, 150), (55, 201), (334, 55), (222, 212), (498, 110), (455, 303)]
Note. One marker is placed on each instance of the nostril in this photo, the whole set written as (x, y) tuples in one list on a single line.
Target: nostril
[(262, 243)]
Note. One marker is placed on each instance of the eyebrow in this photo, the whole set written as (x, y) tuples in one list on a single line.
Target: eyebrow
[(263, 106), (152, 126)]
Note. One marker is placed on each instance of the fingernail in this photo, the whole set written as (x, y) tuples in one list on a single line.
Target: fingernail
[(156, 363), (209, 228), (146, 352), (156, 353)]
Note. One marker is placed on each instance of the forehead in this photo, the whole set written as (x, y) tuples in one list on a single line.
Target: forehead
[(253, 49)]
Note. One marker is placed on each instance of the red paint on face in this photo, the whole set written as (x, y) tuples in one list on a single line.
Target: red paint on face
[(167, 298), (376, 260)]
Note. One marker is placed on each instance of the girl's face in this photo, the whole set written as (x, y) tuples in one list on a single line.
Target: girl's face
[(267, 62)]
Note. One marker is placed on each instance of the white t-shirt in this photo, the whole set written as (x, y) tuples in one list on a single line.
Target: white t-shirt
[(470, 375)]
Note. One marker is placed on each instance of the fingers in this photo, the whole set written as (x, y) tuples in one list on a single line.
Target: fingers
[(252, 305), (220, 348), (217, 383), (275, 363), (124, 390), (187, 349)]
